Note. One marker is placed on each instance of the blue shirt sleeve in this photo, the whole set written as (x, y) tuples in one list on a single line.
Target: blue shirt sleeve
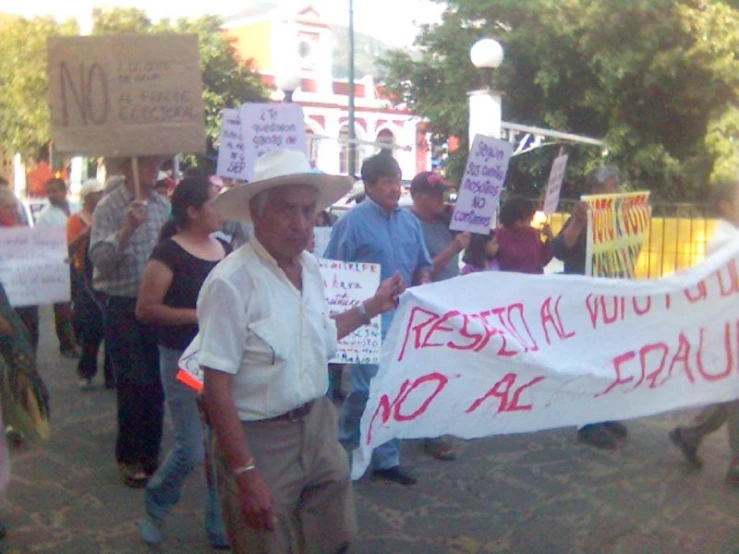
[(341, 245)]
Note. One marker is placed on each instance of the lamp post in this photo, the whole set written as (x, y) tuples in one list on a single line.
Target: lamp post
[(288, 82), (351, 146), (485, 103)]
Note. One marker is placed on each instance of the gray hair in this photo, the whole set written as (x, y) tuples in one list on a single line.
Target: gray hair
[(599, 176)]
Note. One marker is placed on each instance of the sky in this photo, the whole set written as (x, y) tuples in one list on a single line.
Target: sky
[(392, 21)]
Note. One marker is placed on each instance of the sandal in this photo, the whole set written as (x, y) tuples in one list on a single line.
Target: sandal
[(132, 475)]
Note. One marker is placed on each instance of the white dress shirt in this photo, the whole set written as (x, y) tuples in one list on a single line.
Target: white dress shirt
[(273, 338), (52, 216)]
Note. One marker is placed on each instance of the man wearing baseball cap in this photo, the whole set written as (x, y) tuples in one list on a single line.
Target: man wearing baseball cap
[(429, 192)]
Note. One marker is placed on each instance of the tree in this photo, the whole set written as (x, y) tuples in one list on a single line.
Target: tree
[(646, 75), (24, 111), (228, 81)]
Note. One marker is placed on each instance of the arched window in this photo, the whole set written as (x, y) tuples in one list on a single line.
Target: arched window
[(345, 149), (386, 141)]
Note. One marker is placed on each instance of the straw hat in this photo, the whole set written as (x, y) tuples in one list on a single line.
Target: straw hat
[(280, 168)]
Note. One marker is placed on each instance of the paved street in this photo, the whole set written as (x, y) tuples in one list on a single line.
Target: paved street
[(536, 493)]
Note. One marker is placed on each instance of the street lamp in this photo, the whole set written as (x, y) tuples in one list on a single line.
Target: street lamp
[(485, 103), (288, 82)]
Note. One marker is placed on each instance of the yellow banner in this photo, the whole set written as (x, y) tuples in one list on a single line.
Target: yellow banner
[(617, 225)]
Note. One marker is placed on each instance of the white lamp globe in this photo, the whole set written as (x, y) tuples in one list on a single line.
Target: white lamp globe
[(288, 80), (486, 53)]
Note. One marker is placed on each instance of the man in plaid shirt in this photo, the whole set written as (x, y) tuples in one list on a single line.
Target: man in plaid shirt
[(125, 230)]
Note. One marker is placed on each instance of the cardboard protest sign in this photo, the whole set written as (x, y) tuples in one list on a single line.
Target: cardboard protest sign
[(617, 225), (498, 353), (346, 284), (33, 267), (126, 95), (266, 127), (479, 191), (231, 151), (554, 185)]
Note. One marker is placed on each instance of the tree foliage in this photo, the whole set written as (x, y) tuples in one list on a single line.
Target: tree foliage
[(228, 81), (24, 111), (647, 76)]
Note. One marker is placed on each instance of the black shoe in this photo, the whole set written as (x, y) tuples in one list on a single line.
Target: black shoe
[(394, 474), (616, 429), (71, 352), (690, 452), (597, 436)]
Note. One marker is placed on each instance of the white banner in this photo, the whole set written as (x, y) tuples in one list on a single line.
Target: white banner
[(482, 183), (266, 127), (33, 266), (497, 353), (231, 153)]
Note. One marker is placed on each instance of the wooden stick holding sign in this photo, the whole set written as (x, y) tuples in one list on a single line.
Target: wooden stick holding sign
[(136, 180)]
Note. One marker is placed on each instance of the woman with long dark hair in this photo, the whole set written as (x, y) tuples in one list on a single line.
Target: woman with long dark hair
[(178, 266)]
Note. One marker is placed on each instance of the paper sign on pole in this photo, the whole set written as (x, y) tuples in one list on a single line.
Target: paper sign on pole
[(266, 127), (554, 185), (479, 191), (231, 152), (33, 267), (617, 225), (346, 284), (126, 95), (499, 353)]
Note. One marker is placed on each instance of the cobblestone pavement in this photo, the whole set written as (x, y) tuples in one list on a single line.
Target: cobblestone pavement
[(535, 493)]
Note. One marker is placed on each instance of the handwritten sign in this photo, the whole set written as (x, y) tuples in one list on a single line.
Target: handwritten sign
[(266, 127), (231, 152), (554, 185), (617, 225), (346, 285), (126, 95), (501, 353), (479, 192), (33, 269)]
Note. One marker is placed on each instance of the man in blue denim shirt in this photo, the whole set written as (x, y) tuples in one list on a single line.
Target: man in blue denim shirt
[(378, 231)]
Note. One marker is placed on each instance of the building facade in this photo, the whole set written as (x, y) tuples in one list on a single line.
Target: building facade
[(299, 42)]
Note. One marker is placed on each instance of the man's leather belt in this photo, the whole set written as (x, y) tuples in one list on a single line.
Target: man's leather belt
[(293, 415)]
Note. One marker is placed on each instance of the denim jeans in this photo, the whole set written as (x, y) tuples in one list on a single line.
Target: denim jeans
[(165, 486), (384, 456)]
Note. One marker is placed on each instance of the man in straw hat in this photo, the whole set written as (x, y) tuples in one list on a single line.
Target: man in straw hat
[(265, 341), (125, 229)]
